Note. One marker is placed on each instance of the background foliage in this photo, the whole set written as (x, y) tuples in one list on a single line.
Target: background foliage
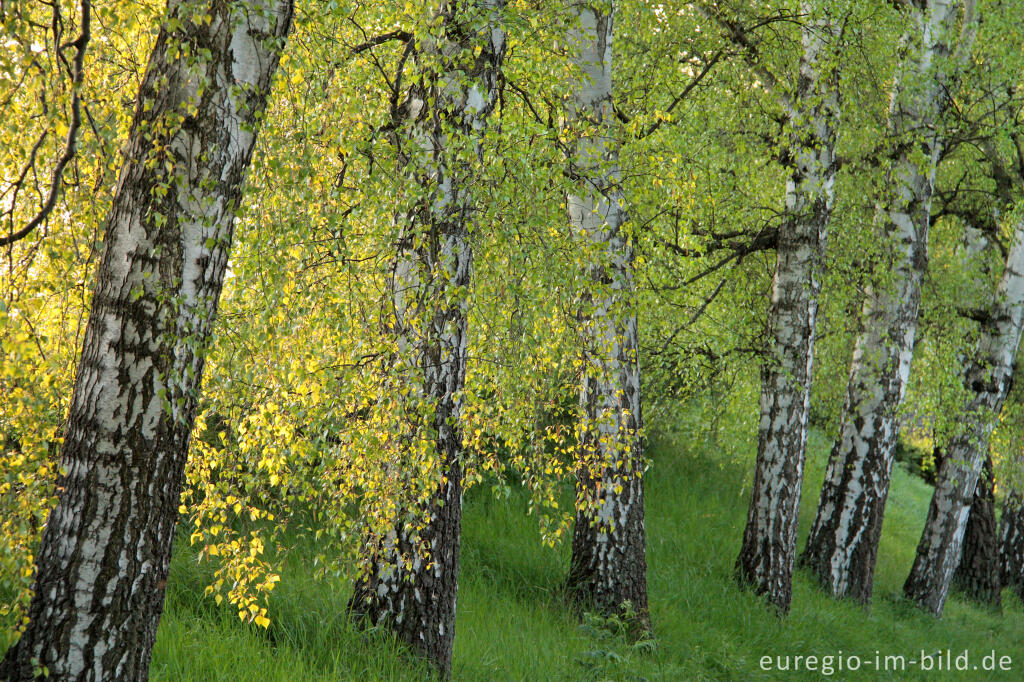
[(297, 446)]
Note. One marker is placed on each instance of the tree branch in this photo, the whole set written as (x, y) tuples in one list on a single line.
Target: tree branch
[(403, 36), (70, 143), (686, 91), (740, 36)]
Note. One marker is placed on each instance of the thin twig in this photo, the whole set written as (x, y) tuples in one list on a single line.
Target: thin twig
[(70, 143)]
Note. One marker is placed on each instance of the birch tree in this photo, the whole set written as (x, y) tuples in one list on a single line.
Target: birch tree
[(103, 564), (979, 574), (411, 584), (988, 379), (608, 569), (995, 96), (768, 552), (1011, 543), (843, 541), (978, 571)]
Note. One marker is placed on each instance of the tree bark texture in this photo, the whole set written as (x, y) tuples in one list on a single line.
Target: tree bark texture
[(988, 380), (106, 548), (1011, 543), (769, 540), (608, 568), (411, 584), (843, 543), (979, 575)]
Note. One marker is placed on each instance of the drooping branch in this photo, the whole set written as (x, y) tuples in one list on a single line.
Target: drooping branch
[(740, 36), (708, 65), (525, 96), (71, 140), (763, 240)]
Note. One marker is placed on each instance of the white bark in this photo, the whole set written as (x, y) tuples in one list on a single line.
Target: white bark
[(608, 565), (769, 543), (844, 538), (106, 549), (988, 378), (411, 585)]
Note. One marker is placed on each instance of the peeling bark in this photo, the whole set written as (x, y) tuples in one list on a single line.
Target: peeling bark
[(106, 549), (608, 568), (978, 577), (843, 543), (769, 540), (988, 380), (411, 584)]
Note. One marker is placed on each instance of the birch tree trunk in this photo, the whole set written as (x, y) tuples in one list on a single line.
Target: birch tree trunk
[(978, 575), (769, 540), (988, 379), (843, 542), (1011, 543), (106, 549), (411, 585), (608, 568)]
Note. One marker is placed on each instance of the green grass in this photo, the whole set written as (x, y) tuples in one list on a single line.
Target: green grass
[(512, 623)]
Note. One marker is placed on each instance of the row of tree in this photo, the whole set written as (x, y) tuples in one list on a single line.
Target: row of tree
[(842, 548), (397, 237)]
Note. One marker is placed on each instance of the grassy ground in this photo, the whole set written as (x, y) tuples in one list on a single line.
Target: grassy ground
[(512, 624)]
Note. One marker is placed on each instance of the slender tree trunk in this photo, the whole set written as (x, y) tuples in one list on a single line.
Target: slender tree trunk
[(979, 576), (106, 549), (843, 542), (988, 379), (608, 569), (1011, 543), (411, 584), (769, 540)]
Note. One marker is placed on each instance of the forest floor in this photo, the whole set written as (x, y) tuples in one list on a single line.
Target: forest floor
[(513, 625)]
